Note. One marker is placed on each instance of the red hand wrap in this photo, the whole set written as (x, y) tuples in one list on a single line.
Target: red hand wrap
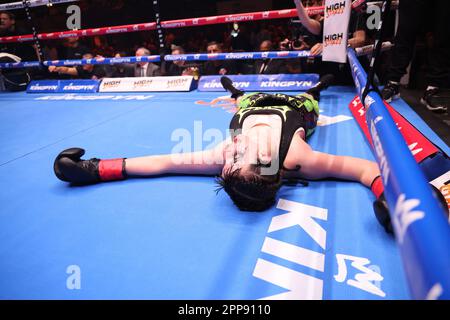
[(112, 169), (377, 187)]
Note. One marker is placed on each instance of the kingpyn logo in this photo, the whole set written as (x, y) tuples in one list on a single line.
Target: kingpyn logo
[(40, 87), (333, 39), (333, 9), (299, 285), (309, 283)]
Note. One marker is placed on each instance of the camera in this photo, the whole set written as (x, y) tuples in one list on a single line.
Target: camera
[(296, 44), (301, 38)]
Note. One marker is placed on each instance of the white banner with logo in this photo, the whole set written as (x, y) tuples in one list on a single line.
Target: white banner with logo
[(335, 30), (147, 84)]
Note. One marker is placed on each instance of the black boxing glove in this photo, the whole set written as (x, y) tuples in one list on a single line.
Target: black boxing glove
[(380, 206), (381, 209), (69, 167)]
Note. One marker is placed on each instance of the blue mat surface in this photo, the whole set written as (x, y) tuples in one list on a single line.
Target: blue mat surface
[(173, 237)]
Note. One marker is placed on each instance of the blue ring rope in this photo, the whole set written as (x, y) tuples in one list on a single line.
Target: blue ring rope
[(424, 242)]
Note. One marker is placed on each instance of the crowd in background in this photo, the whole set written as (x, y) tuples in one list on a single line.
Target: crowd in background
[(278, 34), (281, 34)]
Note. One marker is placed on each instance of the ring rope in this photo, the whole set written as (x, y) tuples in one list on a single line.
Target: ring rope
[(375, 59), (186, 57), (424, 244), (26, 5), (190, 22)]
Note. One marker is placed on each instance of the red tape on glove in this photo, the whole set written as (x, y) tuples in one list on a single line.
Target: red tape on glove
[(377, 187), (111, 169)]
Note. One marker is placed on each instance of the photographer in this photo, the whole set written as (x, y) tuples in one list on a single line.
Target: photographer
[(357, 38), (306, 35), (357, 28), (302, 39)]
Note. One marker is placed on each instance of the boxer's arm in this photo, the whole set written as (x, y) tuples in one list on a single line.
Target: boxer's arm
[(319, 165), (208, 162)]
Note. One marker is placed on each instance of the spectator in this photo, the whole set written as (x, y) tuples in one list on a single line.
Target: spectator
[(412, 16), (50, 50), (122, 70), (101, 47), (215, 67), (240, 38), (169, 43), (145, 69), (7, 24), (269, 66), (24, 51), (180, 68), (357, 28), (261, 35), (357, 38), (87, 71), (73, 49)]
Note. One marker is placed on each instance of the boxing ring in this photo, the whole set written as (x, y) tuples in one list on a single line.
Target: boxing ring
[(173, 237)]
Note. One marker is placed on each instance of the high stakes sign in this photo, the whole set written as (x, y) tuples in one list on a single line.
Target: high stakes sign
[(335, 34)]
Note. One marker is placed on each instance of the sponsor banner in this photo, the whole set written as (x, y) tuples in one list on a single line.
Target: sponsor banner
[(26, 64), (63, 86), (335, 33), (239, 55), (279, 82), (148, 84), (153, 58), (43, 86), (96, 97), (419, 145), (79, 86)]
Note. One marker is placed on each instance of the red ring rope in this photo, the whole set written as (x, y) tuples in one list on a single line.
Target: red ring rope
[(190, 22)]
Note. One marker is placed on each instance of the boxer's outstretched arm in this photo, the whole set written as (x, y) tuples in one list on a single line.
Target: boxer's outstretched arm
[(317, 165), (70, 167), (322, 165), (208, 162)]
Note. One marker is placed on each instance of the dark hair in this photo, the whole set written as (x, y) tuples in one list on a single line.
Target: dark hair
[(10, 15), (250, 192)]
